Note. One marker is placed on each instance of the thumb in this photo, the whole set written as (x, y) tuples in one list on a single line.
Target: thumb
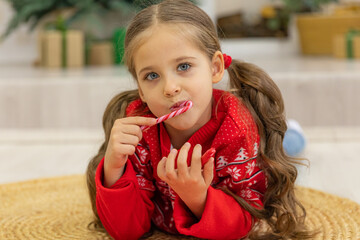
[(209, 171)]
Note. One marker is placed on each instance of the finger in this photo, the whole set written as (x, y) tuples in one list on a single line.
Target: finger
[(128, 139), (140, 121), (161, 169), (126, 149), (196, 160), (182, 165), (131, 129), (170, 165), (120, 127), (209, 171)]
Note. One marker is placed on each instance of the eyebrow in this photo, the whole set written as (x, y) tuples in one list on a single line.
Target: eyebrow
[(146, 69), (179, 59)]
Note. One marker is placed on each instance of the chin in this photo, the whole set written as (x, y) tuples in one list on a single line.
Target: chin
[(182, 124)]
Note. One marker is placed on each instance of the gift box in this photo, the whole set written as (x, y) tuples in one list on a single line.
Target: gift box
[(74, 43), (347, 45), (50, 48), (101, 54), (61, 49), (317, 31)]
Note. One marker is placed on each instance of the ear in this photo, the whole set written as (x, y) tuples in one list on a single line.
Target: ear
[(218, 67)]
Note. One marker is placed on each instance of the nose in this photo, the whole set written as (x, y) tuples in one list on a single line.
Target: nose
[(171, 87)]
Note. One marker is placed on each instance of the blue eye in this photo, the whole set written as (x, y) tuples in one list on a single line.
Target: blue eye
[(184, 67), (151, 76)]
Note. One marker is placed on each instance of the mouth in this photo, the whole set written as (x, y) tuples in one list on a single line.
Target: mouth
[(177, 105)]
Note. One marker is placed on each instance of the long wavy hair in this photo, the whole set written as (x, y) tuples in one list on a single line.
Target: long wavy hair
[(282, 215)]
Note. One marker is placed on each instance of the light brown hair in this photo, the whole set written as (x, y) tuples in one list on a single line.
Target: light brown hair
[(283, 214)]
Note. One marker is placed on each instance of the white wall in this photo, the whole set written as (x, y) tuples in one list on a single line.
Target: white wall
[(209, 7), (19, 46)]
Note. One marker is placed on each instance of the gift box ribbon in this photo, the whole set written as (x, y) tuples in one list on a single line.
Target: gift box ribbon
[(349, 42)]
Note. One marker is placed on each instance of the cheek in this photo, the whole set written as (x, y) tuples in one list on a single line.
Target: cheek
[(203, 97), (145, 92), (155, 107)]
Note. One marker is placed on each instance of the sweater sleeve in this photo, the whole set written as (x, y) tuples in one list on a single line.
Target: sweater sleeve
[(125, 209), (223, 216)]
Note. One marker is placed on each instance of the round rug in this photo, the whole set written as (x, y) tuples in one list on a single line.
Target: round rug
[(59, 208)]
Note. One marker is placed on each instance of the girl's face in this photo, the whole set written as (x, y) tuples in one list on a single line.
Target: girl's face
[(171, 69)]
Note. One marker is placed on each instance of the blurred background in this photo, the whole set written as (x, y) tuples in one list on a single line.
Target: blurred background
[(60, 64)]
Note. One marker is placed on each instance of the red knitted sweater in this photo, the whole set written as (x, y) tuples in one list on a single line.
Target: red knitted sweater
[(140, 197)]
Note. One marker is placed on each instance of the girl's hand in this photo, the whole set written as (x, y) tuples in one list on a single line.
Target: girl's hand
[(124, 137), (190, 183)]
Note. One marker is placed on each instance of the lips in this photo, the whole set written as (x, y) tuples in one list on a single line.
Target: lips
[(177, 105)]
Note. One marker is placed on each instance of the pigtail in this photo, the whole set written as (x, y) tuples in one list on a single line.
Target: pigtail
[(114, 110), (281, 208)]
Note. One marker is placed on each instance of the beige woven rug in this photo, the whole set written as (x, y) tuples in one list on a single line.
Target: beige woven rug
[(58, 208)]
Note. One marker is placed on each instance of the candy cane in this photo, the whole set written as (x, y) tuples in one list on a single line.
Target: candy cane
[(183, 108)]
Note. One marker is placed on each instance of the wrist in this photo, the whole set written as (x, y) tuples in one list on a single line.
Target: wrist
[(111, 175), (196, 203)]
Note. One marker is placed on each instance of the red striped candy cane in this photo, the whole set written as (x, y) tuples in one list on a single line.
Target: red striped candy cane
[(183, 108)]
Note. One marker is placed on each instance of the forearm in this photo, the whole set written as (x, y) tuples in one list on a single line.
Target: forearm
[(123, 209), (112, 175), (122, 219)]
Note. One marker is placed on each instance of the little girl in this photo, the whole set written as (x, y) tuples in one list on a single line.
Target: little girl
[(155, 175)]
